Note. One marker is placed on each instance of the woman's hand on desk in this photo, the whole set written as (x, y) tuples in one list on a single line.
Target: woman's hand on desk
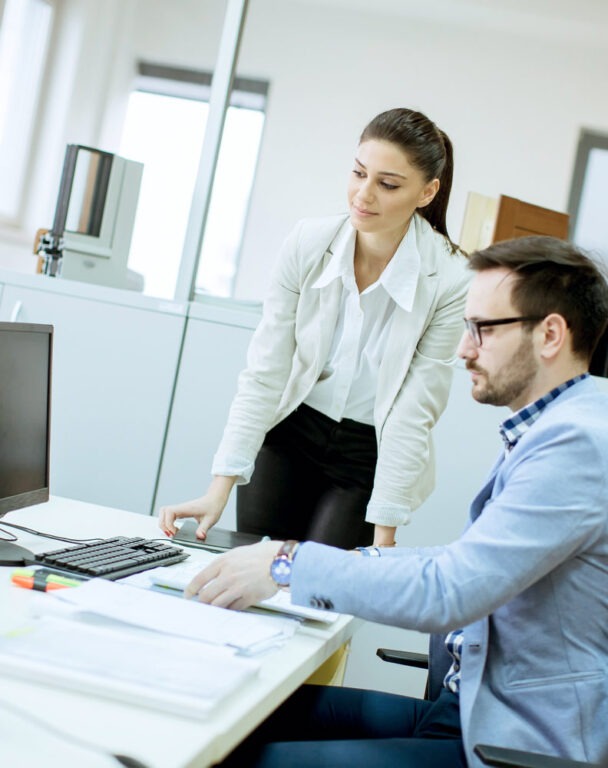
[(238, 578), (207, 509)]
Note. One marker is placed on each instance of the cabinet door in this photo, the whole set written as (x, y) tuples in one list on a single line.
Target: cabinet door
[(113, 373), (515, 218), (213, 356)]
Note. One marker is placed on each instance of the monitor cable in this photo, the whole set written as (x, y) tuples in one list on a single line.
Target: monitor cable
[(46, 535)]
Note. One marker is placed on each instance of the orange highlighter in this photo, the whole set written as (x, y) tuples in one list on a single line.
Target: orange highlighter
[(42, 579)]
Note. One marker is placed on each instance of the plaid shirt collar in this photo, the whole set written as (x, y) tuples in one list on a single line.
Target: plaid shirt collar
[(520, 422)]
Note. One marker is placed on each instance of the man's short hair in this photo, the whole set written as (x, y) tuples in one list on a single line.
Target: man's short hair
[(553, 275)]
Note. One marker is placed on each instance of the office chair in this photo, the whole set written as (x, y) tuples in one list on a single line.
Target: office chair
[(438, 662), (500, 757)]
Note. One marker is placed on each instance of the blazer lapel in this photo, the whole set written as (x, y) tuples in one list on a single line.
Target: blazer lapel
[(408, 327), (406, 330), (326, 318), (485, 493)]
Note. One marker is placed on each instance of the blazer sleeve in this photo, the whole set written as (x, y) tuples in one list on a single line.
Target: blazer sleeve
[(405, 473), (269, 362), (540, 525)]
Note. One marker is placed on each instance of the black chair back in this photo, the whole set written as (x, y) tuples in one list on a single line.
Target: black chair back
[(440, 662)]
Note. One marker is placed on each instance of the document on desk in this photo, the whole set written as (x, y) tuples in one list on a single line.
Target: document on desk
[(177, 577), (136, 666), (246, 632)]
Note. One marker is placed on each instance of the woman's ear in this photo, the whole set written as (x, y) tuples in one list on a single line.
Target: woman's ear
[(428, 193)]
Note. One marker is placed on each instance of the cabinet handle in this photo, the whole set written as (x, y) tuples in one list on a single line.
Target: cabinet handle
[(16, 311)]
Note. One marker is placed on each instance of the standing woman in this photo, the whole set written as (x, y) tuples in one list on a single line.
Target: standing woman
[(329, 434)]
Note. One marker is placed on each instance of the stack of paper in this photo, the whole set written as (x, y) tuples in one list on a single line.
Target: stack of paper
[(145, 668), (178, 577), (246, 632), (140, 646)]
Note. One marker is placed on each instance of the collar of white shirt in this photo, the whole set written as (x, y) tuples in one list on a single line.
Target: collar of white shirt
[(399, 278)]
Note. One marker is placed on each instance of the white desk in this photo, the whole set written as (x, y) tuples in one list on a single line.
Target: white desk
[(159, 740)]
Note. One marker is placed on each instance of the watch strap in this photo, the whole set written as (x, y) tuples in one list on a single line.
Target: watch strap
[(280, 568), (288, 549)]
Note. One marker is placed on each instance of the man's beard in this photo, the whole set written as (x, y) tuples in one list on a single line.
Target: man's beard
[(511, 380)]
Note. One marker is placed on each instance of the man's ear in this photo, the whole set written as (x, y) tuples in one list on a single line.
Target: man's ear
[(428, 193), (556, 335)]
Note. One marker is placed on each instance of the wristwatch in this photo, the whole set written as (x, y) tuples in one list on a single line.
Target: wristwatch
[(280, 568)]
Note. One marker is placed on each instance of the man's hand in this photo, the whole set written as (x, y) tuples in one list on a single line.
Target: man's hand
[(238, 578)]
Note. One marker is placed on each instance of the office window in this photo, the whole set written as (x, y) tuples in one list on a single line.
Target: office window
[(164, 129), (588, 193), (25, 27), (587, 209)]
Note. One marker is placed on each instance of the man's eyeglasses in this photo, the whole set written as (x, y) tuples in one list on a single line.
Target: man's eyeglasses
[(474, 326)]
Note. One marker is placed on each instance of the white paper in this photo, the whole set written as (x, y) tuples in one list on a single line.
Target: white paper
[(178, 577), (156, 670), (247, 632)]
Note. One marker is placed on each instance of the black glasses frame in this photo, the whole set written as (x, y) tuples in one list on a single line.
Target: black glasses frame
[(474, 326)]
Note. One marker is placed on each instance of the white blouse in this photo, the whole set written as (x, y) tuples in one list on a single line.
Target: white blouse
[(347, 385)]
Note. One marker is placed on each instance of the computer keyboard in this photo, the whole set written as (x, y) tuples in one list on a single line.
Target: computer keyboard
[(112, 558)]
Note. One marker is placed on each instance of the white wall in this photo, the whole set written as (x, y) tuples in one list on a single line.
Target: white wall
[(512, 103), (512, 93), (84, 50)]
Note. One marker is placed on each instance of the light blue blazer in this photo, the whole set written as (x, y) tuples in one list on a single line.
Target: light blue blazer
[(527, 580)]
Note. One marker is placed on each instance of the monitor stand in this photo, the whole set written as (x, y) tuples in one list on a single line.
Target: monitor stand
[(13, 554)]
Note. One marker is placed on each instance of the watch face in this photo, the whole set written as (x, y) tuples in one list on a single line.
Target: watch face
[(280, 570)]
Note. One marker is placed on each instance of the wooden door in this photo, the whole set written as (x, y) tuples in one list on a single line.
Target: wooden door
[(515, 218), (518, 219)]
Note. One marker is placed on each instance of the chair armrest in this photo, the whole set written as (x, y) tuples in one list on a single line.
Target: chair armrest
[(410, 659), (515, 758)]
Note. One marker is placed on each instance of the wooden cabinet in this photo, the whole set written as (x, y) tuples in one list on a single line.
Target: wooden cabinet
[(488, 220)]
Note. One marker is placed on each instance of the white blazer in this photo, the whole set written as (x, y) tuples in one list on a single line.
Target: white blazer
[(290, 346)]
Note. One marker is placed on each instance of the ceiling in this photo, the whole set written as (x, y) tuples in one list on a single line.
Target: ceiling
[(583, 20)]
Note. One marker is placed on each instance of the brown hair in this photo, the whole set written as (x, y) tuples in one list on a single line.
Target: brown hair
[(553, 275), (429, 150)]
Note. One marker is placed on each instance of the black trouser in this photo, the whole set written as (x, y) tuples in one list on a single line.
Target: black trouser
[(312, 481)]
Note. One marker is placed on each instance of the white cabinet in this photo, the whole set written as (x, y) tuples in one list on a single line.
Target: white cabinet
[(214, 353), (114, 364)]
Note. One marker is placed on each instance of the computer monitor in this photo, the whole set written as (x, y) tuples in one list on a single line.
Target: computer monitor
[(95, 215), (25, 415)]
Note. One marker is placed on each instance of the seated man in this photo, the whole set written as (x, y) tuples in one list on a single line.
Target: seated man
[(527, 582)]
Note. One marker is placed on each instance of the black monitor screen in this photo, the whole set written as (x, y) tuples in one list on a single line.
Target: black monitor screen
[(25, 394)]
